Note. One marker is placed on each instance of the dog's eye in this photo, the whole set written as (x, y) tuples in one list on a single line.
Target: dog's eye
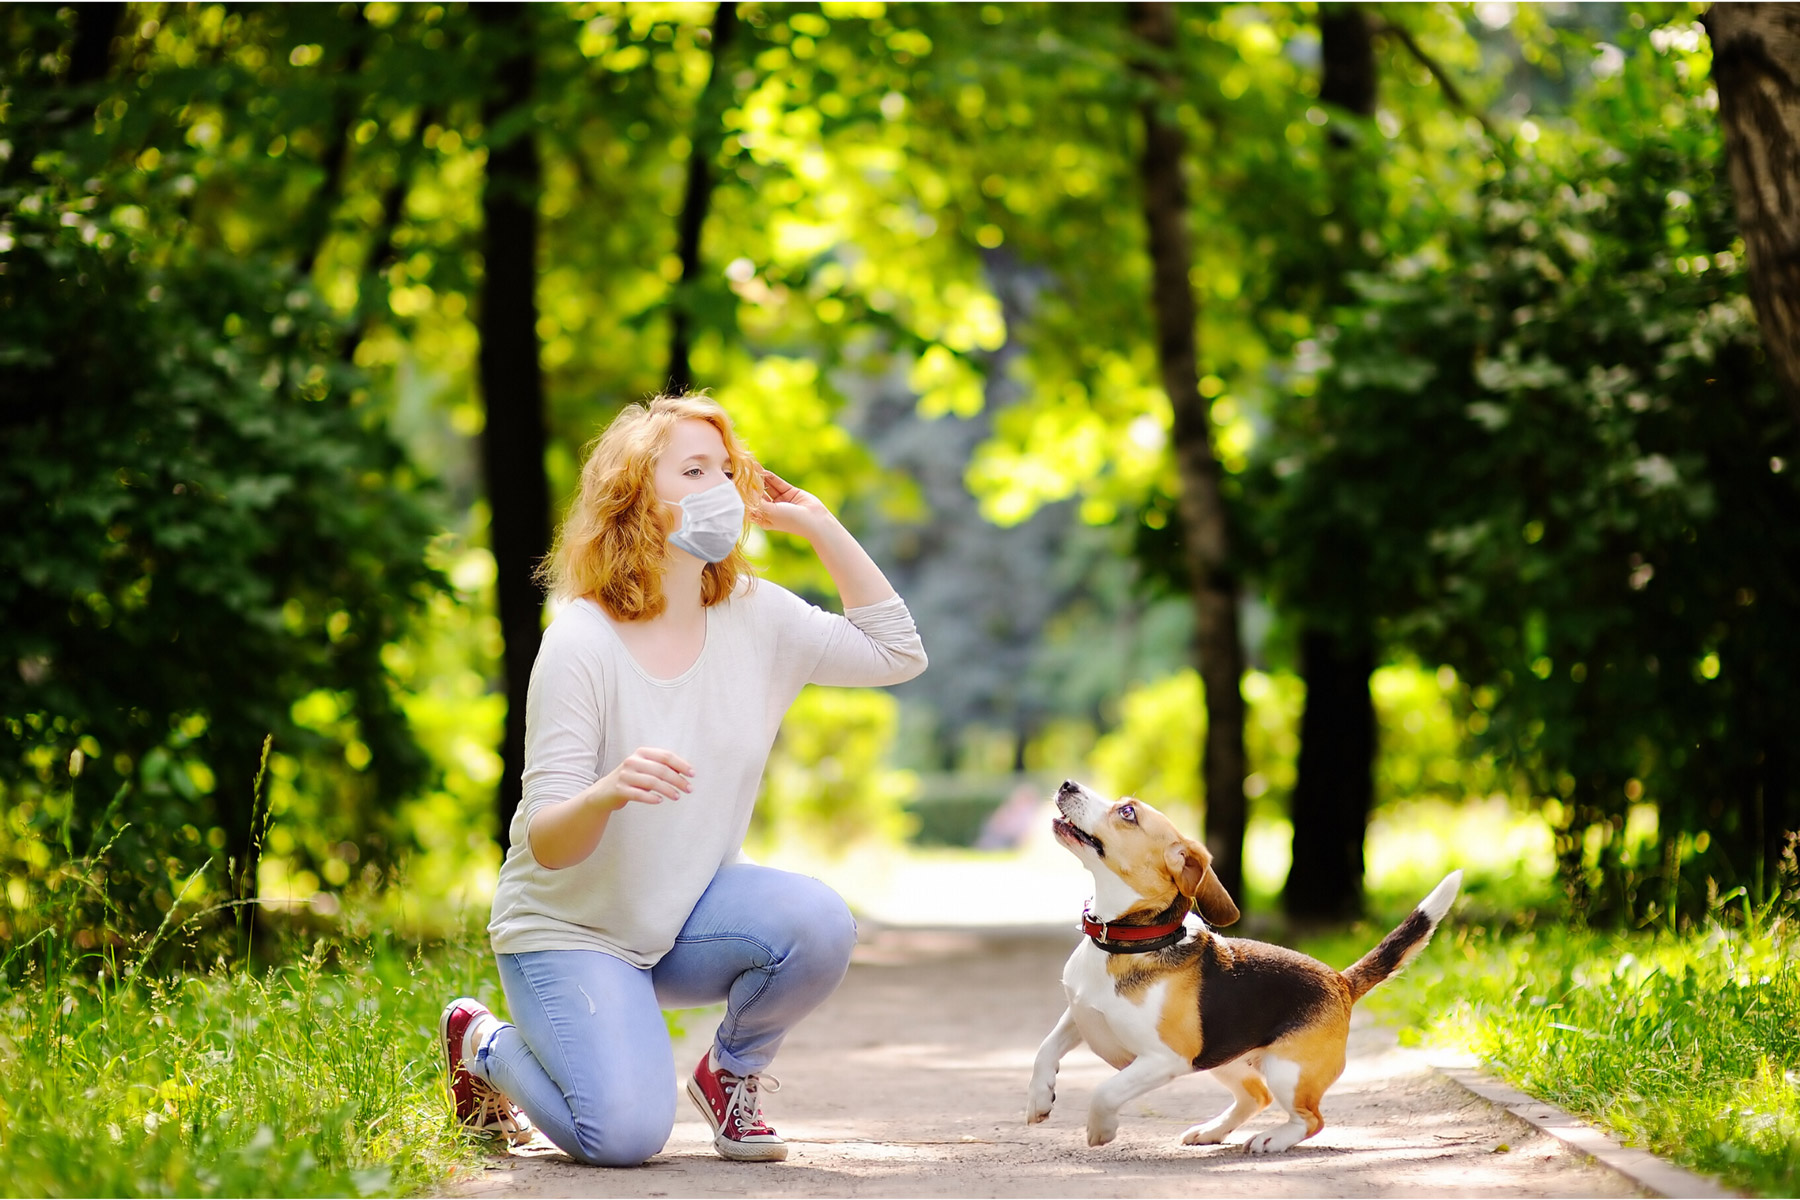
[(1129, 813)]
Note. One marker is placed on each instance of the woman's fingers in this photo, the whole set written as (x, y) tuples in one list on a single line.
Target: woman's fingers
[(651, 775), (666, 758), (775, 485), (781, 491)]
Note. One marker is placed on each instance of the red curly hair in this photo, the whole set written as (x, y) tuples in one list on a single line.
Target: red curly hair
[(615, 539)]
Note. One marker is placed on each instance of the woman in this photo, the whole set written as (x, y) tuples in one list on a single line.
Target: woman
[(654, 702)]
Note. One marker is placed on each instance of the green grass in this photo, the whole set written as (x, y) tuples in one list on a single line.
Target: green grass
[(1686, 1045), (319, 1077)]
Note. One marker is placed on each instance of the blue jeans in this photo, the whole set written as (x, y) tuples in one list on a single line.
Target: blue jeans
[(588, 1056)]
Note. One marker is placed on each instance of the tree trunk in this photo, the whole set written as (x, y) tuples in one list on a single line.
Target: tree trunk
[(1756, 65), (704, 148), (90, 57), (1335, 782), (512, 385), (1218, 648), (1334, 786), (1347, 53)]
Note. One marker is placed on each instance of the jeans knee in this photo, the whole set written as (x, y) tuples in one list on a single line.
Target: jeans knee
[(621, 1136), (826, 932)]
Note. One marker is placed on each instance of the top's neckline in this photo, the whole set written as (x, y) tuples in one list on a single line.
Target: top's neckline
[(644, 672)]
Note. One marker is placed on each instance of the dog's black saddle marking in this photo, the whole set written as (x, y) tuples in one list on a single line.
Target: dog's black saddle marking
[(1248, 1001)]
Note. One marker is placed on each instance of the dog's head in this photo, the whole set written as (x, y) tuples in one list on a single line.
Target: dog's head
[(1131, 842)]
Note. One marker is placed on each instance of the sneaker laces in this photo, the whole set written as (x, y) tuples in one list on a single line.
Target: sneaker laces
[(495, 1113), (745, 1101)]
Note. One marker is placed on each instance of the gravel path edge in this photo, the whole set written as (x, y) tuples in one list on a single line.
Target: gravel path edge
[(1655, 1175)]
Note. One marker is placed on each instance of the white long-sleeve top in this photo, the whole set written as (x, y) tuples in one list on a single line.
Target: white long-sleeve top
[(590, 704)]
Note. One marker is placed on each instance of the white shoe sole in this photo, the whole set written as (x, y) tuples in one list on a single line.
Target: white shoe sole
[(727, 1148)]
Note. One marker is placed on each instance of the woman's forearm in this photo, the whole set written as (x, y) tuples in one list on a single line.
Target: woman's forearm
[(858, 580), (566, 832)]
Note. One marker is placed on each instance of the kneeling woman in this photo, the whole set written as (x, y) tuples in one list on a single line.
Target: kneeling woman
[(654, 702)]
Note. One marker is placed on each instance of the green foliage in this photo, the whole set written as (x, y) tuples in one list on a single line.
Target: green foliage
[(1683, 1045), (319, 1078), (212, 535), (1426, 749), (1543, 449), (208, 528)]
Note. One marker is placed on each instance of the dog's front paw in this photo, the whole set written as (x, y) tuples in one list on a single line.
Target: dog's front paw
[(1102, 1128), (1038, 1104), (1278, 1139), (1210, 1134)]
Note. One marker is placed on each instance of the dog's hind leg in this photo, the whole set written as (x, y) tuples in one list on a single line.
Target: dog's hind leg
[(1299, 1086), (1250, 1095), (1042, 1094), (1146, 1073)]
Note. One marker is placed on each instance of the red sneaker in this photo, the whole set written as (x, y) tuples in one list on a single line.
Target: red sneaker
[(480, 1106), (733, 1107)]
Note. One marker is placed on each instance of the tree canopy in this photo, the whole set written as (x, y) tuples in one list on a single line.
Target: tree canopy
[(296, 301)]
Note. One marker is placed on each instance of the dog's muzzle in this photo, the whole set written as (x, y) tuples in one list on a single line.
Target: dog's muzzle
[(1074, 832)]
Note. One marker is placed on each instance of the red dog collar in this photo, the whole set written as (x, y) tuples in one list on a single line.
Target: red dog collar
[(1165, 929)]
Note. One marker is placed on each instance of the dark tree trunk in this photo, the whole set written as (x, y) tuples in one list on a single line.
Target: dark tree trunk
[(512, 385), (1334, 785), (1756, 64), (1347, 51), (1335, 781), (704, 148), (1218, 648), (90, 57)]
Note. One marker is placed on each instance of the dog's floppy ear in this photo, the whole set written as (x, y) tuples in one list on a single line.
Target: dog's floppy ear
[(1214, 902), (1191, 867)]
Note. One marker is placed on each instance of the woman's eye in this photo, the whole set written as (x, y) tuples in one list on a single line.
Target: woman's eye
[(1129, 813)]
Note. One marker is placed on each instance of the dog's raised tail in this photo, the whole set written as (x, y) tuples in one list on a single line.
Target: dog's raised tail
[(1404, 943)]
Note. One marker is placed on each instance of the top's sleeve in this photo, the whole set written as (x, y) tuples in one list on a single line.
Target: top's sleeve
[(563, 735), (871, 646)]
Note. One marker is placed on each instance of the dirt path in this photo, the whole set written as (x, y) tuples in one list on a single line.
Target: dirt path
[(911, 1080)]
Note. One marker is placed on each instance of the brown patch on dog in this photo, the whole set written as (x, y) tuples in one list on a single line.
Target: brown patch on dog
[(1318, 1050), (1259, 1091), (1179, 1025)]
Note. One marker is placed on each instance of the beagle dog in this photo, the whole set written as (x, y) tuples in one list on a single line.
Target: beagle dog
[(1157, 994)]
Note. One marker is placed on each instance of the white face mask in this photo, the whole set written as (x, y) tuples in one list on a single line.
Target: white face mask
[(711, 522)]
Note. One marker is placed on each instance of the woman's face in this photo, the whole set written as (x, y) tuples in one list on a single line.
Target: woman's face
[(694, 461)]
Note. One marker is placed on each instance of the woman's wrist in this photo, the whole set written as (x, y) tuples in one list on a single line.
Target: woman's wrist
[(601, 799)]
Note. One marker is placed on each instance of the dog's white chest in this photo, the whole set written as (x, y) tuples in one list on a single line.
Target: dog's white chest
[(1115, 1027)]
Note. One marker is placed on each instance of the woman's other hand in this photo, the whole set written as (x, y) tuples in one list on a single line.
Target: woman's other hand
[(647, 776), (565, 833)]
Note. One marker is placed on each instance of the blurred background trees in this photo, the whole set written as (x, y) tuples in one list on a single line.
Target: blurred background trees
[(1464, 437)]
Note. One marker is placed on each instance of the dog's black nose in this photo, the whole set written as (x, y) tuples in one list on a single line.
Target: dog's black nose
[(1068, 785)]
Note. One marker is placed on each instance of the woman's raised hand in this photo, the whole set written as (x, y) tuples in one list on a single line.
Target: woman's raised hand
[(647, 776), (788, 509)]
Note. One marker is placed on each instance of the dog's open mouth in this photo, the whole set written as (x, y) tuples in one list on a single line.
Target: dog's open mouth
[(1069, 831)]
